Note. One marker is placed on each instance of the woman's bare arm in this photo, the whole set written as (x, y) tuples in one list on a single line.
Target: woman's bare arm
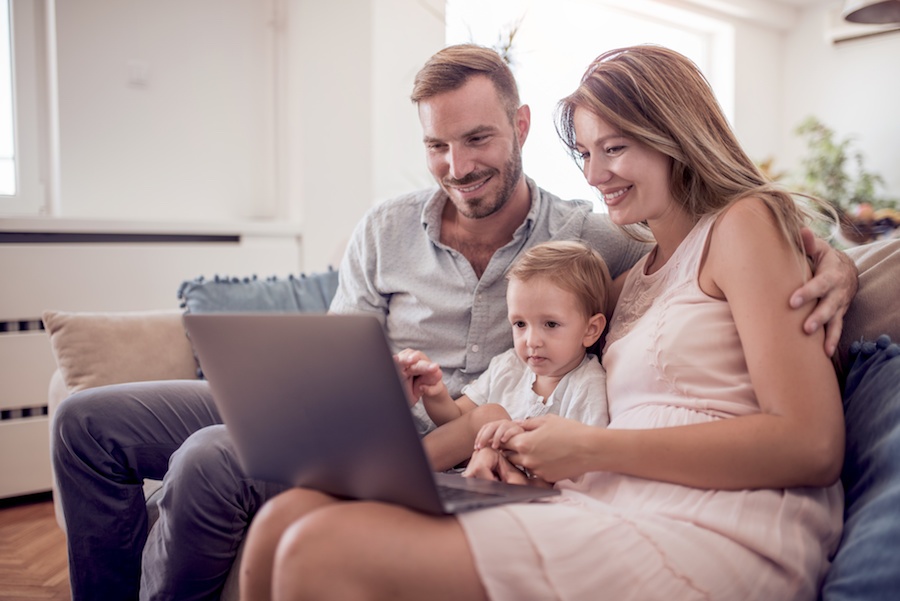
[(796, 439)]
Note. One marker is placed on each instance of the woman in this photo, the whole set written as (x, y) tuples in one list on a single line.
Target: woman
[(716, 476)]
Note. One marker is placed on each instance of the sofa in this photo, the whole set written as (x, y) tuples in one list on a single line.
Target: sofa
[(94, 349)]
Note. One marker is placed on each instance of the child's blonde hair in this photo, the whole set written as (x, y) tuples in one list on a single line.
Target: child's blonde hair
[(573, 266)]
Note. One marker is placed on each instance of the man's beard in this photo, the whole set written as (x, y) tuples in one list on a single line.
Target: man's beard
[(481, 207)]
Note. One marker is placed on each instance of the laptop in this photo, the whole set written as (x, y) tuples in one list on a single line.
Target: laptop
[(316, 400)]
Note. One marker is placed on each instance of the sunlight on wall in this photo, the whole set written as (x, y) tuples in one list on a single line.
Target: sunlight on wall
[(556, 41)]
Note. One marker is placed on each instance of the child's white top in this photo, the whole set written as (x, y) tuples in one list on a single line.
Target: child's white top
[(580, 394)]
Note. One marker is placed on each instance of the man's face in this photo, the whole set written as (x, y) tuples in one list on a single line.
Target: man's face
[(472, 149)]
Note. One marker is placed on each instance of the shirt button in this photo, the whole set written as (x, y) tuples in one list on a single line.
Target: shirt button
[(474, 348)]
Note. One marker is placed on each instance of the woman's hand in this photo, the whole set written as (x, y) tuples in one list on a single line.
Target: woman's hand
[(491, 464), (552, 448)]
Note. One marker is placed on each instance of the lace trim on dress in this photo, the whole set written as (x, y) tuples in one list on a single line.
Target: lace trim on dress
[(641, 290)]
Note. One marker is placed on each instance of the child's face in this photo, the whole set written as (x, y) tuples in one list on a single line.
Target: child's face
[(550, 330)]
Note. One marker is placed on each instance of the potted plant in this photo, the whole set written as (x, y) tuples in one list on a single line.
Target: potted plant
[(835, 172)]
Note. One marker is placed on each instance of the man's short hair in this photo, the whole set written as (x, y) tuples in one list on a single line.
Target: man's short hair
[(450, 69)]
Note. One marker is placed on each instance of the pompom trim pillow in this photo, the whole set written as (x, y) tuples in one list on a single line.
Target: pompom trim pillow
[(304, 294)]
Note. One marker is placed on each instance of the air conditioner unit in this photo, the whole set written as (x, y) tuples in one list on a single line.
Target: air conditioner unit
[(838, 30)]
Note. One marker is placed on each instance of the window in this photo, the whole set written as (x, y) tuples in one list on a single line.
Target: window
[(24, 130), (7, 131), (555, 41)]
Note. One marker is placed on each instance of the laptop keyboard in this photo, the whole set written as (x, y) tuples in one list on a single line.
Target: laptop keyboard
[(451, 493)]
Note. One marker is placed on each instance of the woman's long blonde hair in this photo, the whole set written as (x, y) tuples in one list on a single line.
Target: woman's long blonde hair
[(660, 98)]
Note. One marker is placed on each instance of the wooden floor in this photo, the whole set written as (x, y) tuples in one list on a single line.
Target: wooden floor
[(32, 551)]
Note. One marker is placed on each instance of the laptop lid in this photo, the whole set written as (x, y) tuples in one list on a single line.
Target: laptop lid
[(315, 400)]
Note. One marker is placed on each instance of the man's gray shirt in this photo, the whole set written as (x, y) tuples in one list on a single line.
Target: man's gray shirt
[(427, 295)]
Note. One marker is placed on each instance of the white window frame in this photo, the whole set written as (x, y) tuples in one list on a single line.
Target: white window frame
[(31, 87)]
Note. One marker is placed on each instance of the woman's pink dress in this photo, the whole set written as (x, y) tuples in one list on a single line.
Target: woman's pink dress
[(673, 357)]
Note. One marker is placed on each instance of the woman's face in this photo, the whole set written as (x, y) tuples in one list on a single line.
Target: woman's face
[(632, 177)]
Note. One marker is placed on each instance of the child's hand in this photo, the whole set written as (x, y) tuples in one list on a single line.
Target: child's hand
[(484, 464), (420, 375), (496, 434), (491, 464)]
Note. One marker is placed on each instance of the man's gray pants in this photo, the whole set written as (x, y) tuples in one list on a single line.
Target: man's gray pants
[(104, 443)]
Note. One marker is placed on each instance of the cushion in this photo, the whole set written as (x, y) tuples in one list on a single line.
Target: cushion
[(307, 293), (873, 311), (866, 564), (96, 349), (312, 293)]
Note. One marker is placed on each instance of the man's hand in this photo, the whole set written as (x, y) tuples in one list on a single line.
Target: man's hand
[(834, 283)]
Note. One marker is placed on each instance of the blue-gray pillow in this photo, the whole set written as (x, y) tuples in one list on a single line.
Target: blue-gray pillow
[(867, 563), (306, 293)]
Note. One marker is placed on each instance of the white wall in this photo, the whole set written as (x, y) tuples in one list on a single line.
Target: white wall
[(329, 162), (405, 34), (853, 87), (165, 109), (757, 96), (355, 137)]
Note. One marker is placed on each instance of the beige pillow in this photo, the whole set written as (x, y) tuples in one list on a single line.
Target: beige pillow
[(96, 349), (876, 308)]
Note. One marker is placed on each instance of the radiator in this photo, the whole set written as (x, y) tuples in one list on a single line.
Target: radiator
[(26, 364), (17, 326), (91, 266)]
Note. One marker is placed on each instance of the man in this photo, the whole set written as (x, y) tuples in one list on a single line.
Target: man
[(431, 265)]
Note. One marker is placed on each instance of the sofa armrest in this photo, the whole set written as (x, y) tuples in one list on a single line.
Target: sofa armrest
[(56, 392), (55, 395), (97, 349)]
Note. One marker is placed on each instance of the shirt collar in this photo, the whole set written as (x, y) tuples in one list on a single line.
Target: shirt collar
[(434, 207)]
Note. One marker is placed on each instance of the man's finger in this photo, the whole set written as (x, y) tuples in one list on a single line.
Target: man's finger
[(810, 242), (833, 336), (810, 291), (826, 311)]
